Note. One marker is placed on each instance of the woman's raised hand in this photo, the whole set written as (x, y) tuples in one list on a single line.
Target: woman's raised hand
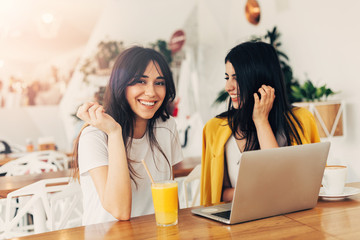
[(94, 114), (263, 105)]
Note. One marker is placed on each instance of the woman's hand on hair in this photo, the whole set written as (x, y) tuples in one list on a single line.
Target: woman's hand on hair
[(94, 114), (263, 105)]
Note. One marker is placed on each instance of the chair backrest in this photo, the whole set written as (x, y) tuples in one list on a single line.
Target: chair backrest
[(36, 162), (193, 179), (66, 208), (37, 200), (2, 215)]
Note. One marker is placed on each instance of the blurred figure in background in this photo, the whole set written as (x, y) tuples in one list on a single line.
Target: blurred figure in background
[(32, 92), (14, 94), (2, 98)]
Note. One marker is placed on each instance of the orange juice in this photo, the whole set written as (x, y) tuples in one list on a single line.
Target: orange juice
[(165, 198)]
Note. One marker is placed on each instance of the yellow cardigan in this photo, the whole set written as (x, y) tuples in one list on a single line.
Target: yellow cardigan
[(215, 135)]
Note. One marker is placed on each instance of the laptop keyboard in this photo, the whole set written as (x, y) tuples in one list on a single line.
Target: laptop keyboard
[(225, 214)]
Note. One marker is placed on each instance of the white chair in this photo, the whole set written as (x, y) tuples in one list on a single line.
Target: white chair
[(36, 162), (22, 224), (2, 215), (66, 208), (42, 202), (191, 184)]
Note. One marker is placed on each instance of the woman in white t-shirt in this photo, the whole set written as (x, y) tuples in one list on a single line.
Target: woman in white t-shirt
[(132, 125)]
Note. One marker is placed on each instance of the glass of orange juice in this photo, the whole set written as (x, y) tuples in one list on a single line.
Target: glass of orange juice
[(165, 198)]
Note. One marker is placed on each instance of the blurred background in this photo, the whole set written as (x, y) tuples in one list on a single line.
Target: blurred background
[(54, 55)]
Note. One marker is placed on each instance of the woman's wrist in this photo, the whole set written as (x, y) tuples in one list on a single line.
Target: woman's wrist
[(117, 131), (261, 122)]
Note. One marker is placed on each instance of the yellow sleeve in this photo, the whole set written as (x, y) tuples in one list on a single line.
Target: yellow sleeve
[(215, 134), (205, 191), (310, 133)]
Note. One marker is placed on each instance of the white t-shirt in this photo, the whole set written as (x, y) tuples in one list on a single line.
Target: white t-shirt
[(233, 156), (93, 152)]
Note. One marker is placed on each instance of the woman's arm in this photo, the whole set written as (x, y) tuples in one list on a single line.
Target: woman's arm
[(228, 194), (228, 191), (112, 182), (262, 108)]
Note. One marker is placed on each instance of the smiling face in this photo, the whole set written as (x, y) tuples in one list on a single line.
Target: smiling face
[(231, 85), (146, 92)]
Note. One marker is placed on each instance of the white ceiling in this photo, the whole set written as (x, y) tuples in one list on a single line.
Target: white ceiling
[(25, 41)]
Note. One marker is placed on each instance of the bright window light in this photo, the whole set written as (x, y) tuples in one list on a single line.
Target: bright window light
[(47, 18)]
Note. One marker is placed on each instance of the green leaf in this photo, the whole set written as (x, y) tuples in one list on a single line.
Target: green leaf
[(328, 92), (305, 94), (296, 92), (319, 92), (255, 38), (222, 96), (309, 90), (282, 54)]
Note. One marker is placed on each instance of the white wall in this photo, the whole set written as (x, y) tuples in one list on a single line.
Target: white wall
[(325, 45), (320, 37)]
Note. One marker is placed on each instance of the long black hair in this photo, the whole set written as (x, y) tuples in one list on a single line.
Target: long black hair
[(130, 63), (255, 64)]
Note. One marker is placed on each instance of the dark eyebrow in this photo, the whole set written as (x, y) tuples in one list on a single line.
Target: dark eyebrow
[(234, 75), (145, 76), (140, 76)]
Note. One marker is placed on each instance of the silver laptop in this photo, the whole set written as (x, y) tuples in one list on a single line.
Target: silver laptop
[(273, 182)]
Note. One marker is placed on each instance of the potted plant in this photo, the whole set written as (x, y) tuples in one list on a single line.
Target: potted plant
[(328, 114), (310, 93), (102, 61)]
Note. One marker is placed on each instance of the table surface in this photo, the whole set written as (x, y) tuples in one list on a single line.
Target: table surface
[(6, 159), (328, 220), (184, 167), (12, 183)]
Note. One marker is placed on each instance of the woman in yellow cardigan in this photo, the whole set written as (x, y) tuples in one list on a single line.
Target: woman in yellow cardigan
[(259, 116)]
